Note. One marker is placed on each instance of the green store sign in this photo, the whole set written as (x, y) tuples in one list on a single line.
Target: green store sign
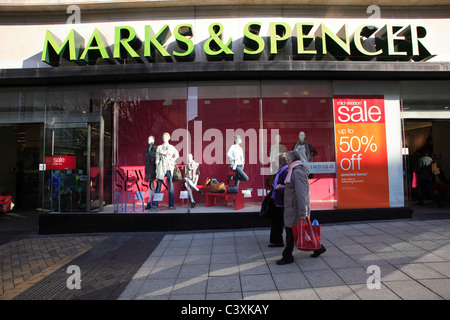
[(391, 42)]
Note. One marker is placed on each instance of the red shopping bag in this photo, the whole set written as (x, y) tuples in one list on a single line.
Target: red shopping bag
[(5, 202), (414, 181), (307, 236)]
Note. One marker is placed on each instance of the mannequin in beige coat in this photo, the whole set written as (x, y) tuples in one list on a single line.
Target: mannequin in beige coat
[(166, 155)]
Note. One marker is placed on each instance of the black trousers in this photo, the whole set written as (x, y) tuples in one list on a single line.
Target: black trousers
[(276, 228), (287, 252)]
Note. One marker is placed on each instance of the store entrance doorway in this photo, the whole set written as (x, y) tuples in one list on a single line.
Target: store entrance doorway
[(19, 165), (429, 136)]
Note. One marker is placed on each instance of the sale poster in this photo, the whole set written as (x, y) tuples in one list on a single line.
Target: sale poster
[(361, 153), (61, 162)]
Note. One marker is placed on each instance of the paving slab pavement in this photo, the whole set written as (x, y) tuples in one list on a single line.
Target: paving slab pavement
[(413, 256), (383, 260)]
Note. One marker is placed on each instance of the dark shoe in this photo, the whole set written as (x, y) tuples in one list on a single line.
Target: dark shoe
[(284, 261), (230, 177), (201, 192), (148, 206), (274, 245), (192, 204), (319, 252)]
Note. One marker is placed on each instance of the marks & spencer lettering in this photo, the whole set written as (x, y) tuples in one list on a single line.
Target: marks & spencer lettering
[(390, 42)]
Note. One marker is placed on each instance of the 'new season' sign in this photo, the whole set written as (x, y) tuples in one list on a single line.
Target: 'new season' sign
[(367, 42)]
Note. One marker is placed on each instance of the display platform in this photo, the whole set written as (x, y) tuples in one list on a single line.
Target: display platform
[(199, 218)]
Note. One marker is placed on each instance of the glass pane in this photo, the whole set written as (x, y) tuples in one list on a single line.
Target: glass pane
[(72, 150), (24, 105), (218, 113), (143, 112), (299, 117), (425, 95)]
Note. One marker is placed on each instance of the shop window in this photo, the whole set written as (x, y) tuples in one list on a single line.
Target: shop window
[(219, 114), (300, 117), (142, 113), (206, 122)]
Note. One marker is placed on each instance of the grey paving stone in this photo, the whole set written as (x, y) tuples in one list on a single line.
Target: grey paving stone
[(224, 284), (259, 282), (193, 270), (164, 272), (217, 258), (391, 273), (250, 268), (312, 264), (364, 293), (441, 267), (194, 285), (354, 275), (154, 288), (223, 269), (411, 290), (261, 295), (323, 278), (341, 292), (439, 286), (195, 296), (224, 296), (419, 271), (342, 261), (353, 249), (194, 259), (286, 281), (299, 294)]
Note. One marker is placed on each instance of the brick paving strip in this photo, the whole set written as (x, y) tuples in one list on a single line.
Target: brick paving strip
[(36, 268), (27, 261)]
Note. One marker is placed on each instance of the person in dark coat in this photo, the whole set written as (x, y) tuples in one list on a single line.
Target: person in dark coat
[(425, 178), (297, 203), (150, 168), (276, 229)]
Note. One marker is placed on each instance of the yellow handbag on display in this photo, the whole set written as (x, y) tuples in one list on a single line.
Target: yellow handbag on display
[(217, 187)]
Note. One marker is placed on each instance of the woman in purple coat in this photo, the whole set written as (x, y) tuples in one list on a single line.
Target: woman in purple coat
[(276, 229)]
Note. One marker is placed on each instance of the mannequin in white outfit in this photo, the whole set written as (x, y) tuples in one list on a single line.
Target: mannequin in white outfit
[(236, 155), (166, 155)]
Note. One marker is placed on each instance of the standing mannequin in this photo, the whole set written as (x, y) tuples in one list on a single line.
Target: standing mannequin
[(150, 169), (166, 155), (307, 152), (276, 150), (236, 155), (191, 174)]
